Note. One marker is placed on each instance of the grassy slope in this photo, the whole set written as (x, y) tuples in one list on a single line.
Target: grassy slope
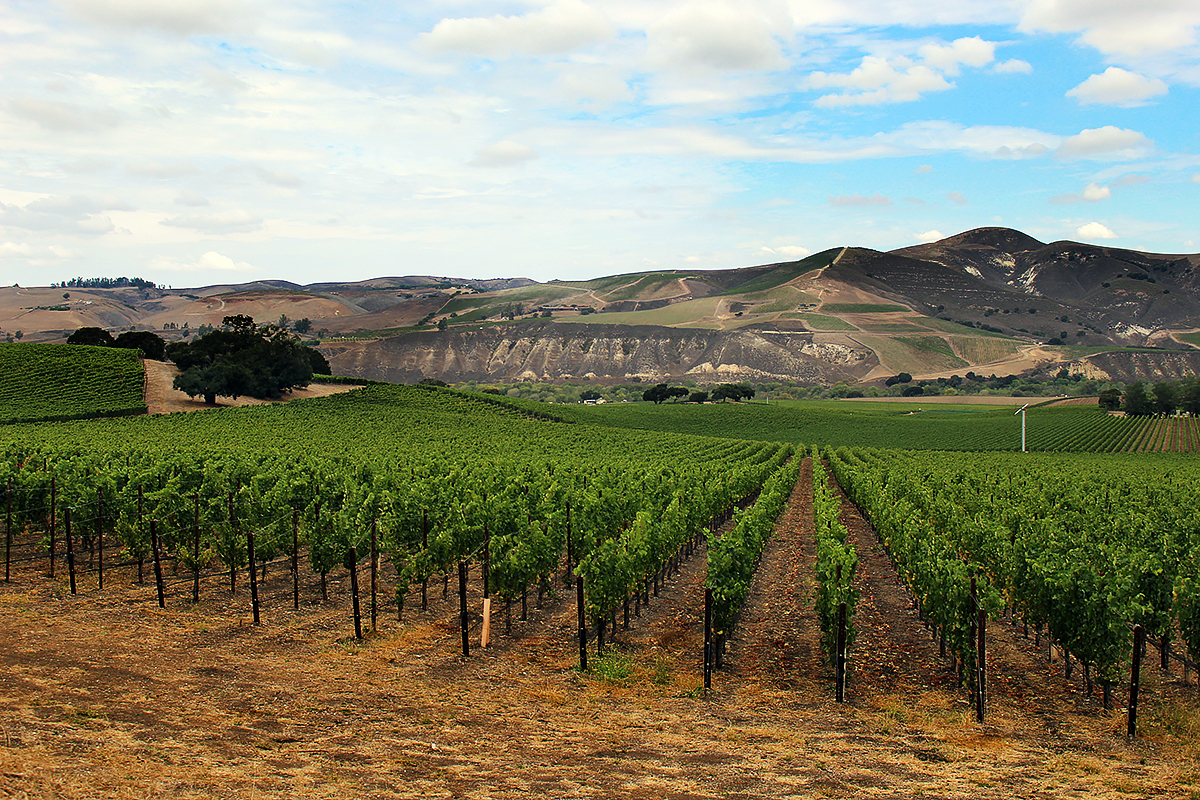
[(48, 381)]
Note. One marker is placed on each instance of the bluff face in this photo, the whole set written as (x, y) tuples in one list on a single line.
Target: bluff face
[(548, 351)]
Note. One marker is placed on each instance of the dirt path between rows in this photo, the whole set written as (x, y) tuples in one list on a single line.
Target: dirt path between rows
[(106, 695), (163, 398)]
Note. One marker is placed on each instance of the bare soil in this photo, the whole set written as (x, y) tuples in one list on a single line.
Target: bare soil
[(162, 398), (106, 695)]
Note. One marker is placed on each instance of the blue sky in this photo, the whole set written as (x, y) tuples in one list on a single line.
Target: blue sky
[(208, 141)]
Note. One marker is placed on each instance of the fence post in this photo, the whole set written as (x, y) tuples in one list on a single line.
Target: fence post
[(374, 574), (582, 623), (707, 639), (295, 559), (53, 520), (100, 536), (8, 534), (980, 661), (70, 551), (354, 592), (1135, 677), (158, 578), (840, 670), (253, 575), (462, 607)]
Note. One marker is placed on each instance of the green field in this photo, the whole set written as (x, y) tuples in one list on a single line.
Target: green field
[(821, 322), (66, 381)]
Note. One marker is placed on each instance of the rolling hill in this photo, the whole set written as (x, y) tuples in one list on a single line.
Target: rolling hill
[(992, 300)]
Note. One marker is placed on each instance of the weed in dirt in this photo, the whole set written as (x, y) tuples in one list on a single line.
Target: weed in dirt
[(615, 667), (1175, 722), (660, 670)]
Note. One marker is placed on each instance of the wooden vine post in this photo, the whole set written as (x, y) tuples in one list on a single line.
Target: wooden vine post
[(424, 549), (8, 534), (232, 566), (70, 550), (462, 607), (485, 632), (1135, 677), (582, 623), (53, 520), (158, 578), (570, 549), (253, 578), (374, 575), (980, 658), (840, 668), (295, 559), (196, 548), (141, 558), (100, 536), (707, 639), (354, 592)]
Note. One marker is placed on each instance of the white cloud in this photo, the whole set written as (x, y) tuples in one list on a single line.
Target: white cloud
[(878, 81), (77, 215), (792, 251), (1094, 230), (565, 26), (1118, 87), (189, 198), (971, 52), (714, 35), (956, 198), (1014, 66), (929, 236), (180, 17), (1106, 144), (209, 262), (1196, 178), (858, 200), (1132, 179), (238, 221), (1118, 28), (503, 154), (899, 79), (1091, 193), (55, 115), (924, 169), (36, 255)]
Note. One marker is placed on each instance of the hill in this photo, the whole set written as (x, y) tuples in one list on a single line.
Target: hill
[(992, 300)]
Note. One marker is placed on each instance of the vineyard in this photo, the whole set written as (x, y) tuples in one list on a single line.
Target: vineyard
[(63, 382), (1076, 428), (362, 545)]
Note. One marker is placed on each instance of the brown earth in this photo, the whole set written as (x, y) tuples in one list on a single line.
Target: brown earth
[(161, 398), (105, 695)]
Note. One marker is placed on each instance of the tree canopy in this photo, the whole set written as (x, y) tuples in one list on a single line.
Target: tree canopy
[(243, 359)]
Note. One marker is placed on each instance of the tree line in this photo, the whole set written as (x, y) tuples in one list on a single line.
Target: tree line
[(1167, 397)]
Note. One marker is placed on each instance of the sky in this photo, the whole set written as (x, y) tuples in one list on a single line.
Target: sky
[(193, 142)]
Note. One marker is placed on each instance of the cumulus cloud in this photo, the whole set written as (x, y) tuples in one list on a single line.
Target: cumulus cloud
[(879, 79), (858, 200), (1094, 230), (956, 198), (1106, 144), (1014, 66), (924, 169), (714, 35), (189, 198), (1117, 87), (1091, 193), (55, 115), (209, 262), (787, 251), (36, 254), (503, 154), (237, 221), (78, 214), (929, 236), (179, 17), (950, 58), (1117, 28), (565, 26)]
